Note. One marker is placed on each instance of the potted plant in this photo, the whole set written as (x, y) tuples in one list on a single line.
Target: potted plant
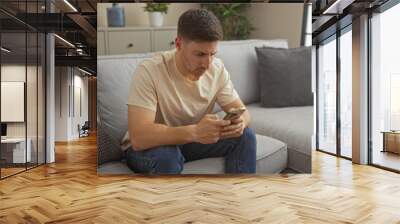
[(234, 24), (156, 13)]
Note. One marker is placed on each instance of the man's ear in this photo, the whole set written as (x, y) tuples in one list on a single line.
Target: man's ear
[(178, 43)]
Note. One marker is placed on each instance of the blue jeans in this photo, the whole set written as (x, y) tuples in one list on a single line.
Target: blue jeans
[(239, 153)]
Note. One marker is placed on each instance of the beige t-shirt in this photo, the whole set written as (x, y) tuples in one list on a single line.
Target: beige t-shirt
[(158, 85)]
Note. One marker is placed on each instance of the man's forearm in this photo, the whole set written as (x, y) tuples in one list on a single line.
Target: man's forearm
[(246, 119), (158, 135)]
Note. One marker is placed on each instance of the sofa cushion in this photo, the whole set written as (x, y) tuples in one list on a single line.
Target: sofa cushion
[(271, 158), (292, 125), (114, 167), (239, 58), (285, 76), (113, 82)]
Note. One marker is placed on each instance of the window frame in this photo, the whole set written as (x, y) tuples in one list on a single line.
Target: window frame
[(333, 37)]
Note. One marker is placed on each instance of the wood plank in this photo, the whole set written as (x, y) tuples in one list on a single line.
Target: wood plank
[(69, 191)]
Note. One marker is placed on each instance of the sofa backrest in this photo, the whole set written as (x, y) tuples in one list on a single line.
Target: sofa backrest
[(240, 59), (113, 85), (115, 75)]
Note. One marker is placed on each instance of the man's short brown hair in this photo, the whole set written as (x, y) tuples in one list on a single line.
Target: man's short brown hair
[(199, 25)]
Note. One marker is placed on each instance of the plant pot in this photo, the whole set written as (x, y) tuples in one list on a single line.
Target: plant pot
[(156, 19)]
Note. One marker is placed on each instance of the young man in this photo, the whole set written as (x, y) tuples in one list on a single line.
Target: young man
[(171, 100)]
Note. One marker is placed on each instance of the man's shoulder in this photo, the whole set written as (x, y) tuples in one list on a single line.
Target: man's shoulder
[(217, 66), (158, 60)]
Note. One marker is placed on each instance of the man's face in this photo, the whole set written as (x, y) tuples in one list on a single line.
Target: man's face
[(196, 56)]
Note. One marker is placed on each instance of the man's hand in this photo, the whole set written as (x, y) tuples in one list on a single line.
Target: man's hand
[(208, 130), (235, 129)]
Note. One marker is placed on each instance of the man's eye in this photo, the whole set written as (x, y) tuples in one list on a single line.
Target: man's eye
[(203, 55)]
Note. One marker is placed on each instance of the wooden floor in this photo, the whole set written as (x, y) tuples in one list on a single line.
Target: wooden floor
[(70, 191), (10, 171)]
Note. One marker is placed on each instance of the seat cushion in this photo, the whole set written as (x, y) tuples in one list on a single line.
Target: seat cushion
[(114, 167), (271, 158), (292, 125)]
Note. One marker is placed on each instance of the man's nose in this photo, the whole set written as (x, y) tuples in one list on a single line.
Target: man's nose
[(207, 61)]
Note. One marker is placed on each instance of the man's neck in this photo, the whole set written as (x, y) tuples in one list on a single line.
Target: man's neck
[(182, 70)]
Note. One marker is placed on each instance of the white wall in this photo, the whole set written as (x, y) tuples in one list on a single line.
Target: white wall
[(34, 124), (135, 16), (271, 20), (67, 80), (14, 73), (17, 73), (80, 118), (277, 20), (61, 103)]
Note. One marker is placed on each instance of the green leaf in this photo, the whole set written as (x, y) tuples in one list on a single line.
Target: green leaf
[(235, 24)]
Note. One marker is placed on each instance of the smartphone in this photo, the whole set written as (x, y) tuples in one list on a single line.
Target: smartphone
[(233, 112)]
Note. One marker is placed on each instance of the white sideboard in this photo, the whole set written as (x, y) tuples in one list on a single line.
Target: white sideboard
[(127, 40)]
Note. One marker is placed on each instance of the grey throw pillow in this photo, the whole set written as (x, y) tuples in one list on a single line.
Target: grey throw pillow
[(285, 76)]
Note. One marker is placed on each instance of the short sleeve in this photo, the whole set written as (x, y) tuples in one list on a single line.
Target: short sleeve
[(227, 93), (143, 90)]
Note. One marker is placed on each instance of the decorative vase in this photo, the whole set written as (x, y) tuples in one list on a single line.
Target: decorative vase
[(116, 16), (156, 19)]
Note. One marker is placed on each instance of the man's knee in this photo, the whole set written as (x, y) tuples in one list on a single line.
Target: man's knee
[(249, 135), (169, 160), (249, 142), (166, 160)]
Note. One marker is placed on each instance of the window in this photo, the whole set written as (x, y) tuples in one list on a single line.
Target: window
[(385, 85), (327, 96), (22, 66), (346, 93), (394, 101), (334, 106)]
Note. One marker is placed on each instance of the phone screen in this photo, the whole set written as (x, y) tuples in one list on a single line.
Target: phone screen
[(233, 113)]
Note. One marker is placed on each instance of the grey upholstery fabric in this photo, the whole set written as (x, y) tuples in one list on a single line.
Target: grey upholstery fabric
[(299, 162), (240, 59), (113, 84), (106, 151), (285, 76), (292, 125), (271, 158), (114, 167)]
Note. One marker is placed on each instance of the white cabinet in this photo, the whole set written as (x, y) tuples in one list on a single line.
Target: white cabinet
[(124, 42), (163, 40), (135, 40), (101, 43)]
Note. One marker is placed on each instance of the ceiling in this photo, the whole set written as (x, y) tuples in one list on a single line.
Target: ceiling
[(76, 26), (331, 15)]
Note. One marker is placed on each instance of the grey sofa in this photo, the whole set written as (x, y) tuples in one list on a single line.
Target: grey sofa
[(283, 134)]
